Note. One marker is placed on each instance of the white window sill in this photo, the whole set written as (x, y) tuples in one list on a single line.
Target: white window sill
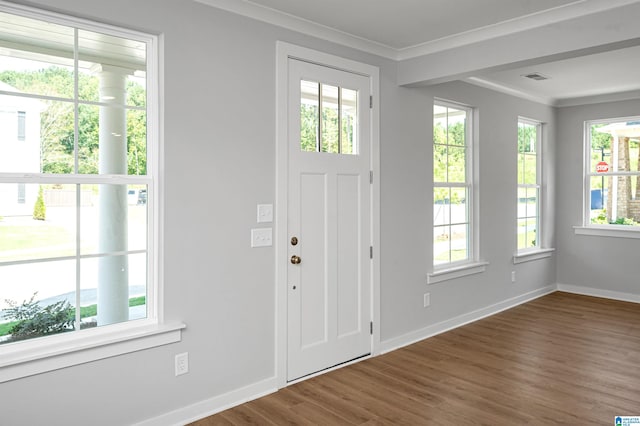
[(456, 272), (618, 231), (532, 255), (30, 357)]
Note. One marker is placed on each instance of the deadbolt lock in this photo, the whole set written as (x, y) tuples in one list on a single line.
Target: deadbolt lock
[(294, 241)]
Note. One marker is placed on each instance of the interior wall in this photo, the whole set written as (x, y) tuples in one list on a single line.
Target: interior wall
[(407, 215), (219, 123), (599, 263)]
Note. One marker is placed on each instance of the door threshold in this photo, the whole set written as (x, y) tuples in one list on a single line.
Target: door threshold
[(329, 369)]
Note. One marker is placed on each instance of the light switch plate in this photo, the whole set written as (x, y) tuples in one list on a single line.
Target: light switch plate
[(261, 237), (265, 213)]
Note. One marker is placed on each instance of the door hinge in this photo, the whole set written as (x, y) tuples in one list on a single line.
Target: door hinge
[(370, 252), (370, 101), (371, 328), (370, 176)]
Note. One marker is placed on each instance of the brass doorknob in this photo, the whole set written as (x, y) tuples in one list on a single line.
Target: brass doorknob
[(295, 259)]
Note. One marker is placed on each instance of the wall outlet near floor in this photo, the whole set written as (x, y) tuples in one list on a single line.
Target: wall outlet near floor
[(513, 276), (427, 299), (182, 363)]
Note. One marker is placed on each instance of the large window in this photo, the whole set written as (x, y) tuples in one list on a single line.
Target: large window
[(452, 185), (612, 173), (529, 178), (76, 249)]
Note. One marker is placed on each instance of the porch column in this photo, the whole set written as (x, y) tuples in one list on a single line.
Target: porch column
[(113, 271)]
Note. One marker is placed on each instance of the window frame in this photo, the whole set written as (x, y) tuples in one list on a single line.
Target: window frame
[(588, 228), (538, 186), (37, 355), (472, 264)]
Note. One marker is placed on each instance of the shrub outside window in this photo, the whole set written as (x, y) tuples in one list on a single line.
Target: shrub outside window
[(612, 173)]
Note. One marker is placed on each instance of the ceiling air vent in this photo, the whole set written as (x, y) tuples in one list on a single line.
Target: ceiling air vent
[(536, 76)]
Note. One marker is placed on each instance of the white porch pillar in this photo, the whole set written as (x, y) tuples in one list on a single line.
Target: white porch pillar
[(113, 271)]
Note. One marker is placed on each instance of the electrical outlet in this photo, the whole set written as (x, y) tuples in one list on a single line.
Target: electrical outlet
[(427, 299), (513, 276), (182, 363)]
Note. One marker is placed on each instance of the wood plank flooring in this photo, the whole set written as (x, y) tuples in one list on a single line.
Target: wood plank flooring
[(561, 359)]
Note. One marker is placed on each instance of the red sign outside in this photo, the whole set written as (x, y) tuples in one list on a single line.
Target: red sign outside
[(602, 167)]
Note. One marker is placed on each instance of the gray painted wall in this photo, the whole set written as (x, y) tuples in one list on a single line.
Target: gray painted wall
[(219, 76), (602, 263)]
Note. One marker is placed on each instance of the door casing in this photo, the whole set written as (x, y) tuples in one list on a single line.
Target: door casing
[(284, 51)]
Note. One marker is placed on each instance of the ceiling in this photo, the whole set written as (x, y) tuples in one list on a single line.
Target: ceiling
[(402, 29)]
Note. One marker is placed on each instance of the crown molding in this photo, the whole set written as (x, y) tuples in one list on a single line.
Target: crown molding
[(523, 23), (511, 91), (304, 26), (275, 17)]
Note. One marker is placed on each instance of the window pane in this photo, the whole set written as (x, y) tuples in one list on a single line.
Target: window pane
[(522, 202), (441, 208), (532, 202), (330, 126), (456, 171), (25, 237), (115, 220), (614, 200), (441, 245), (113, 289), (137, 142), (459, 243), (459, 211), (440, 163), (103, 55), (309, 104), (456, 120), (349, 110), (45, 288), (36, 72), (530, 172), (524, 235)]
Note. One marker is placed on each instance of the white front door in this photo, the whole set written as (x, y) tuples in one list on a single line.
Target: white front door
[(329, 218)]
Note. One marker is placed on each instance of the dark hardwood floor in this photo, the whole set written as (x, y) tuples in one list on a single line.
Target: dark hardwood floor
[(561, 359)]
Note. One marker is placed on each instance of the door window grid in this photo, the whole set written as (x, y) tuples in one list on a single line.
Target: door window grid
[(328, 118), (453, 188)]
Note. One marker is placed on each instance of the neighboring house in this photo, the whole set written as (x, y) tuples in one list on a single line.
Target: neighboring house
[(19, 150)]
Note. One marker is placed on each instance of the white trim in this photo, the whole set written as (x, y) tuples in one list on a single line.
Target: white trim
[(617, 231), (459, 321), (597, 292), (23, 359), (275, 17), (284, 51), (208, 407), (456, 272), (528, 256)]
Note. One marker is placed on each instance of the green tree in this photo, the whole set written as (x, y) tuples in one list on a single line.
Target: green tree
[(39, 209), (34, 320)]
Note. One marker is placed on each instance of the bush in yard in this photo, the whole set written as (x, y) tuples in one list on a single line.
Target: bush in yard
[(39, 210), (34, 320)]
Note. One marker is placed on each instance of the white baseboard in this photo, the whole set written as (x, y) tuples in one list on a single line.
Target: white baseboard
[(210, 406), (441, 327), (597, 292)]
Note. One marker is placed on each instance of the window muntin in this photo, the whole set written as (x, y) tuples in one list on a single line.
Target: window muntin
[(328, 118), (91, 231), (612, 172), (453, 187), (528, 183)]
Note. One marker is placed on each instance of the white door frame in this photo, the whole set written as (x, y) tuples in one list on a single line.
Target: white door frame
[(284, 51)]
